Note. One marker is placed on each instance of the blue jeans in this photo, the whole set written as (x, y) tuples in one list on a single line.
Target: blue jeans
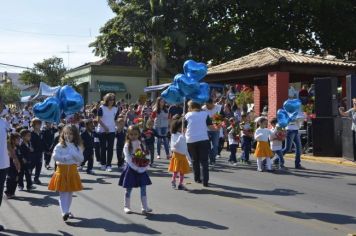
[(280, 157), (233, 148), (214, 139), (129, 190), (246, 143), (162, 136), (293, 137)]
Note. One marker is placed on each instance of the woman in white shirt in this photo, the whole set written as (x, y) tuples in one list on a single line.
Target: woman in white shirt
[(198, 123), (107, 115)]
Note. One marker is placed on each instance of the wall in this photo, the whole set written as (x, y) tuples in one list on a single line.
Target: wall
[(134, 86)]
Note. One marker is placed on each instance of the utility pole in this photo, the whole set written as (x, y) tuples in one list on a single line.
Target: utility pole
[(153, 68), (68, 52)]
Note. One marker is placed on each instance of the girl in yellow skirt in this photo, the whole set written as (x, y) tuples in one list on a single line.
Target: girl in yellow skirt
[(68, 155), (263, 149), (179, 163)]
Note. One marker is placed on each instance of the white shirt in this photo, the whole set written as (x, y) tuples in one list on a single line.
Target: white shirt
[(108, 118), (262, 134), (68, 155), (216, 109), (128, 156), (197, 130), (275, 143), (231, 138), (179, 144), (4, 154)]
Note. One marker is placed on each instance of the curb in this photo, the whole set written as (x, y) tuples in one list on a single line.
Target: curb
[(326, 160)]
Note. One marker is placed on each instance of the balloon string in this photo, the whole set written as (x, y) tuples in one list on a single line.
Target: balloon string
[(183, 114)]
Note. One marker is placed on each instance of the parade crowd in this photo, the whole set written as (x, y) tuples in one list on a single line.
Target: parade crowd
[(191, 138)]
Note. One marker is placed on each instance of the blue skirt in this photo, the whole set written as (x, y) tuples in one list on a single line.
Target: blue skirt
[(132, 179)]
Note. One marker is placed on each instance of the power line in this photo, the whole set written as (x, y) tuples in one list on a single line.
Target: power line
[(22, 67), (45, 34)]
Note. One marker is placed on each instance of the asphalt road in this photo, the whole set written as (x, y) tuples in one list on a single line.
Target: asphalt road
[(240, 201)]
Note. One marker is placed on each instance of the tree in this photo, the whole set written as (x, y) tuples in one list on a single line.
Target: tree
[(9, 93), (182, 29), (216, 31), (50, 71)]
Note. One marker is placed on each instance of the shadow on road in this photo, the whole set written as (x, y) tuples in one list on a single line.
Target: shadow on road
[(111, 226), (175, 218), (326, 217), (220, 193), (277, 191), (41, 202), (21, 233)]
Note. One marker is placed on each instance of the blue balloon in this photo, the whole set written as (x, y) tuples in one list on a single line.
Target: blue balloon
[(48, 110), (293, 116), (70, 101), (195, 70), (172, 95), (186, 85), (292, 105), (282, 118), (203, 95)]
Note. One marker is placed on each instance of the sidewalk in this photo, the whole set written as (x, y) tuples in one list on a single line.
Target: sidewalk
[(325, 160)]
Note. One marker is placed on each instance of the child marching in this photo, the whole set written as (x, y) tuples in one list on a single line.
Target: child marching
[(135, 174), (179, 163), (263, 149), (68, 155)]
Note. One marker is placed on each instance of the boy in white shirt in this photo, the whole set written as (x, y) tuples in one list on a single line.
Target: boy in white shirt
[(276, 142)]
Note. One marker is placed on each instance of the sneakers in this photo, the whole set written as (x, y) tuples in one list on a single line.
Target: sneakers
[(37, 181), (90, 172), (127, 210), (108, 169), (48, 167), (234, 163), (29, 189), (70, 215), (158, 157), (174, 184), (259, 170), (181, 187), (80, 168), (146, 211), (218, 156), (103, 167), (65, 216), (21, 188), (9, 196)]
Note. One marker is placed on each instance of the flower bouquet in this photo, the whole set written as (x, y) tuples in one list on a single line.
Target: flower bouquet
[(139, 158), (217, 120), (138, 121), (281, 134), (234, 131)]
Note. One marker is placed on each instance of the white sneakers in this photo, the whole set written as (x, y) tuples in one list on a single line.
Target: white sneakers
[(127, 209), (108, 169), (158, 157)]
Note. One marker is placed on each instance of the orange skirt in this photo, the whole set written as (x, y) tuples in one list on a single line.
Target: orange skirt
[(263, 150), (65, 179), (179, 163)]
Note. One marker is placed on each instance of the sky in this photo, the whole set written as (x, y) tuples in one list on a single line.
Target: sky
[(32, 30)]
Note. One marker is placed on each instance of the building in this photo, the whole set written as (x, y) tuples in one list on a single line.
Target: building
[(121, 76), (271, 71), (14, 79)]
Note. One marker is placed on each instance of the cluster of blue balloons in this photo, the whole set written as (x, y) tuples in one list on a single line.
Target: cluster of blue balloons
[(187, 85), (66, 101), (289, 112)]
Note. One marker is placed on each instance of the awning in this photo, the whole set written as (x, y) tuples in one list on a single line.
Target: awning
[(156, 87), (111, 86), (163, 86)]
